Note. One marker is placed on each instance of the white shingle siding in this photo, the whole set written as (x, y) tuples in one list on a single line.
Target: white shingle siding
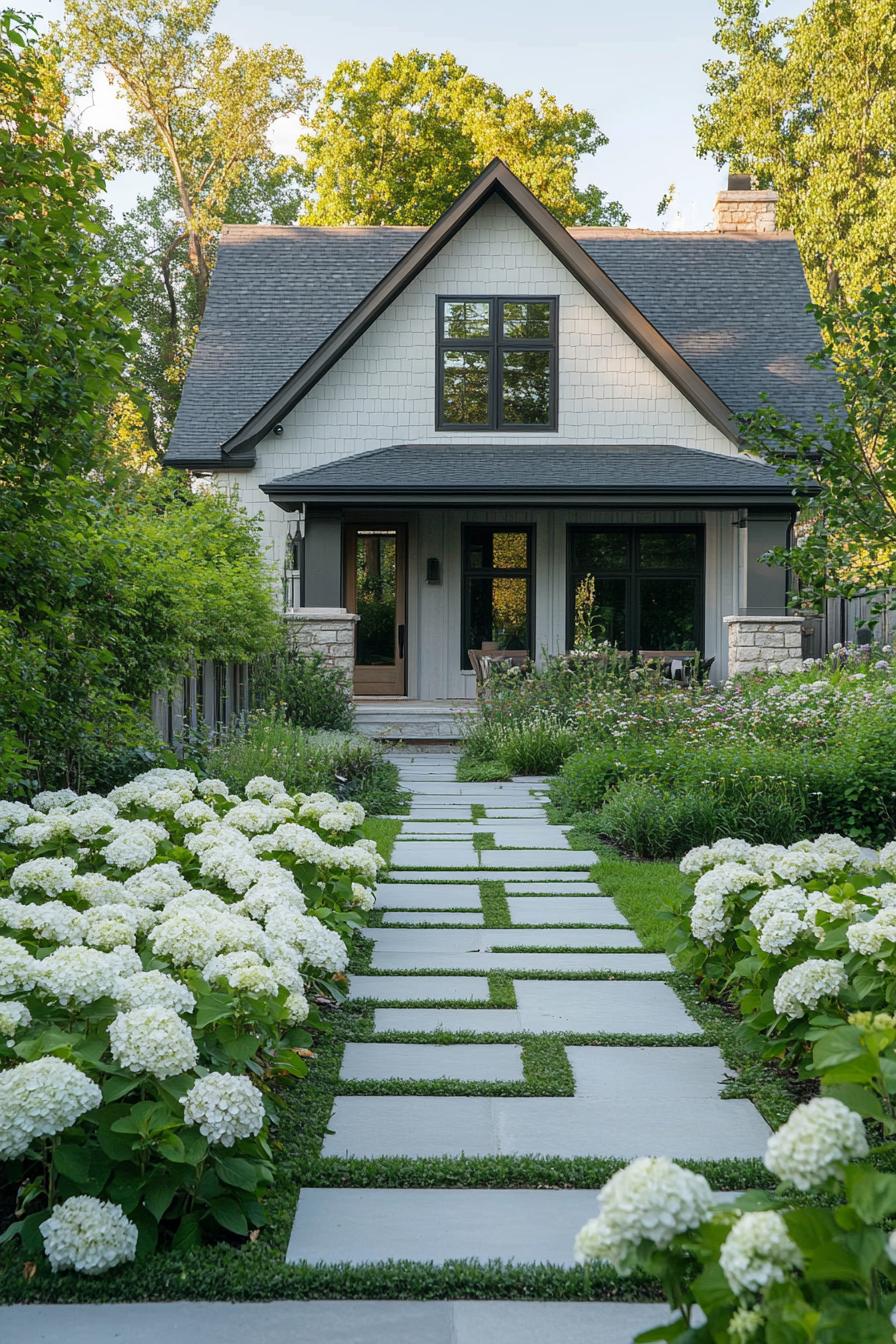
[(382, 390)]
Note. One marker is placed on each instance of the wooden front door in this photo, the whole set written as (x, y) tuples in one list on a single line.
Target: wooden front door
[(375, 588)]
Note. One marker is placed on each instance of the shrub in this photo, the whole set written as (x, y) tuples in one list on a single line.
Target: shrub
[(304, 689), (537, 745), (347, 763), (156, 946)]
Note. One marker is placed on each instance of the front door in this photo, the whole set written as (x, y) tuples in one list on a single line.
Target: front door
[(375, 585)]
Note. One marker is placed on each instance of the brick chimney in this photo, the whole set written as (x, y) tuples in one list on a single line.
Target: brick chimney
[(742, 210)]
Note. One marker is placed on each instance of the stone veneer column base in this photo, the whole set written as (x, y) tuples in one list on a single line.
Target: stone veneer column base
[(764, 644), (329, 631)]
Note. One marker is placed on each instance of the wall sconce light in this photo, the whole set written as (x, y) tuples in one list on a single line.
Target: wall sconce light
[(433, 570), (278, 430)]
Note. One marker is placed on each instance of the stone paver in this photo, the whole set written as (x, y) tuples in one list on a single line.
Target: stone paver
[(603, 1007), (413, 896), (519, 886), (417, 988), (434, 853), (331, 1322), (468, 1063), (536, 812), (428, 942), (580, 963), (564, 910), (537, 858), (432, 917), (487, 1021), (430, 875), (675, 1124), (532, 835)]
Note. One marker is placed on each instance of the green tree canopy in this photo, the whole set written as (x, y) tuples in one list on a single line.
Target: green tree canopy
[(808, 105), (395, 141)]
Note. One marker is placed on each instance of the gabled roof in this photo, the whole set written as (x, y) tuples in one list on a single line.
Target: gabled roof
[(534, 474), (722, 315)]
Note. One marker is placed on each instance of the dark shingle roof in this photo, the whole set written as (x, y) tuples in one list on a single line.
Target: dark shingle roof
[(538, 472), (732, 305)]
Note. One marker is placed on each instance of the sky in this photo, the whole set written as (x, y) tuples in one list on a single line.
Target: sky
[(636, 64)]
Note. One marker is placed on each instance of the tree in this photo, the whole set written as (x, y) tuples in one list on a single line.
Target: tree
[(396, 141), (808, 105), (201, 112), (847, 533)]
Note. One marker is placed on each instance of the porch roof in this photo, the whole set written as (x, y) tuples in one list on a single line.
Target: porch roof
[(546, 474)]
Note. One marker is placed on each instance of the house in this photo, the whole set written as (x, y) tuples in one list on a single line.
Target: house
[(446, 429)]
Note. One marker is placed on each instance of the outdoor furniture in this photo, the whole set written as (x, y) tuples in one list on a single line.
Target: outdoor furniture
[(676, 664), (482, 660)]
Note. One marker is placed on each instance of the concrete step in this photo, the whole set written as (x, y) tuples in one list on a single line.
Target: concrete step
[(399, 720)]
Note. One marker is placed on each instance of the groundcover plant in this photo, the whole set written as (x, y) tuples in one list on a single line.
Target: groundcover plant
[(162, 949), (803, 939)]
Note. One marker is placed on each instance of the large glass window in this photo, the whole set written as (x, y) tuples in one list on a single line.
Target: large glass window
[(497, 364), (648, 585), (497, 592)]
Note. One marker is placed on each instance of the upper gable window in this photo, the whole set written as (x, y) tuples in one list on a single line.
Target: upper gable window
[(497, 364)]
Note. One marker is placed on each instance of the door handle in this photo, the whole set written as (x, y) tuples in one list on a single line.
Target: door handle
[(401, 641)]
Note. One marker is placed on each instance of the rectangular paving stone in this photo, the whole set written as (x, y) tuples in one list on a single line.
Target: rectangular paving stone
[(417, 988), (579, 1007), (520, 886), (537, 858), (411, 896), (536, 812), (547, 963), (611, 1125), (488, 1021), (447, 941), (564, 910), (580, 875), (532, 836), (467, 1063), (371, 1226), (431, 917), (458, 830), (434, 854)]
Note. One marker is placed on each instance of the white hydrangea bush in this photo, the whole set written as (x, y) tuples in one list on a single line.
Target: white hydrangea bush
[(173, 940)]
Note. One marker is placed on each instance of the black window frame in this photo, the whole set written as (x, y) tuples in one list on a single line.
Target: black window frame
[(634, 572), (495, 344), (465, 572)]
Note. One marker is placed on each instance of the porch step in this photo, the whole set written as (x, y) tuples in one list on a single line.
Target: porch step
[(400, 720)]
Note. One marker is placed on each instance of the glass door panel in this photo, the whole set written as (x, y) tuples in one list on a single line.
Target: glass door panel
[(375, 592)]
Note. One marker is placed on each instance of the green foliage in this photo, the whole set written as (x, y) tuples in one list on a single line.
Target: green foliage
[(807, 104), (847, 535), (349, 764), (396, 141), (303, 689)]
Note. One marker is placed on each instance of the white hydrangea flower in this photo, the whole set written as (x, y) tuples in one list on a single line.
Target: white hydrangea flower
[(273, 888), (50, 922), (89, 1235), (763, 857), (709, 918), (779, 931), (152, 1040), (224, 1108), (652, 1199), (355, 811), (186, 938), (871, 936), (97, 889), (804, 986), (79, 974), (726, 879), (757, 1252), (156, 989), (13, 814), (887, 857), (291, 838), (168, 800), (337, 820), (18, 969), (90, 822), (847, 853), (358, 858), (314, 805), (42, 1098), (776, 899), (820, 1137), (194, 813), (320, 946), (234, 865), (130, 849), (127, 960), (263, 786), (697, 860), (50, 876), (242, 971), (88, 802), (14, 1016), (157, 884), (255, 815), (801, 864), (50, 798), (297, 1008), (731, 849), (43, 832), (110, 926), (362, 897), (745, 1325), (884, 896), (213, 788)]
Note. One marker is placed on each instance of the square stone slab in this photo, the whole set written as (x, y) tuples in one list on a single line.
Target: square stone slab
[(466, 1063), (434, 854), (417, 988), (411, 896), (519, 886), (545, 963), (579, 1007), (370, 1226), (564, 910), (536, 858), (488, 1021), (430, 917), (613, 1125), (448, 941)]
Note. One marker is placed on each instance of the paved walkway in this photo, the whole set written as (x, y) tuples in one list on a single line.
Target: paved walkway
[(578, 973)]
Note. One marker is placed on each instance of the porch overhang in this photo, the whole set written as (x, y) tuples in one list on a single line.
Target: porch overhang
[(542, 475)]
